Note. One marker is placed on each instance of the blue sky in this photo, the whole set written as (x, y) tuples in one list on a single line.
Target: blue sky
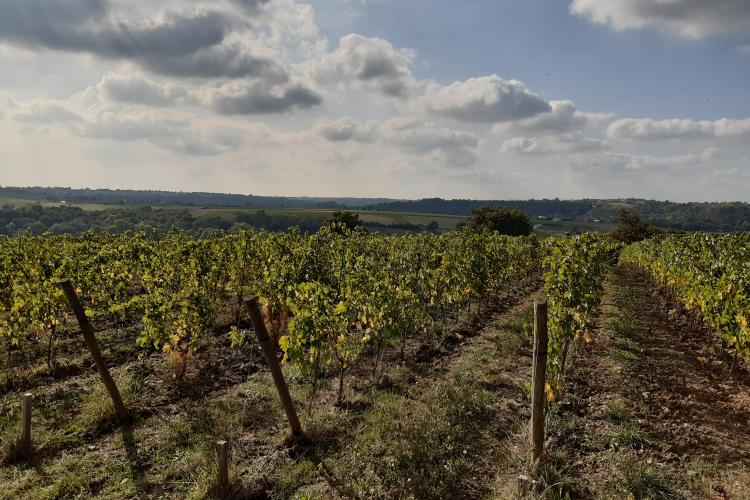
[(537, 41), (482, 99)]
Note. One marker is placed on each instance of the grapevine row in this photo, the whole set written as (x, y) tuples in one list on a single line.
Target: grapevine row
[(575, 270), (708, 273), (328, 296)]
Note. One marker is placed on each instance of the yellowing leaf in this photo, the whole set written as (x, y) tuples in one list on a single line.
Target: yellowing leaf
[(340, 308), (549, 392)]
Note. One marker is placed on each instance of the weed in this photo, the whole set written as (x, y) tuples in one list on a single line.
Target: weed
[(631, 436), (554, 470), (643, 480), (97, 410), (617, 413), (417, 448)]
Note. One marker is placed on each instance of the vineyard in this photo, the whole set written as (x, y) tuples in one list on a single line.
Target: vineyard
[(707, 275), (356, 320)]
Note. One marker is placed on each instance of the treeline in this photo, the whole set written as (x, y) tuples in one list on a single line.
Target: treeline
[(533, 208), (727, 216), (75, 221), (730, 216), (694, 216), (133, 197)]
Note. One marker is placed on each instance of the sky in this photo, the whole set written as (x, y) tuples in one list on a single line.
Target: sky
[(490, 99)]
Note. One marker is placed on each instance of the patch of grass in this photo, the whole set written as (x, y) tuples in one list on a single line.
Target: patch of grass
[(631, 436), (642, 480), (556, 479), (259, 403), (71, 477), (420, 448), (737, 481), (97, 410), (179, 434), (626, 326), (625, 357), (207, 485), (10, 432), (286, 480), (69, 485), (326, 422), (629, 344), (571, 431), (699, 475), (480, 357), (521, 324), (617, 413)]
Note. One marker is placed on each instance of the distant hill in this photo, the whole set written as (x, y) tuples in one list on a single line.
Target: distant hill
[(694, 216), (155, 198), (728, 216), (534, 208)]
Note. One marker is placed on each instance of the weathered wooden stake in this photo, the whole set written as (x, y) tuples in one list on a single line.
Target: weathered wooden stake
[(269, 352), (538, 378), (222, 454), (26, 412), (88, 335)]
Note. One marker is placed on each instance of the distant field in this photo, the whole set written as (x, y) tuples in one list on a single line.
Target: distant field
[(445, 222), (21, 202), (559, 228), (387, 218)]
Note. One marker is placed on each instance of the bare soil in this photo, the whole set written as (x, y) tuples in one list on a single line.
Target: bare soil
[(651, 410)]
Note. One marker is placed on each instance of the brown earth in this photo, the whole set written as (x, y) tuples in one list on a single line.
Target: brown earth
[(651, 411)]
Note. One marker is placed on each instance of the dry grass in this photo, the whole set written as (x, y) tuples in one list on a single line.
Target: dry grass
[(97, 410)]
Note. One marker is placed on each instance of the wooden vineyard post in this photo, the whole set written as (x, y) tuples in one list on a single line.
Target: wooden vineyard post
[(222, 455), (26, 414), (269, 352), (91, 343), (538, 378)]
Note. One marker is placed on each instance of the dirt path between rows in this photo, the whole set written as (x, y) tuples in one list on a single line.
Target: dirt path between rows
[(651, 411), (442, 426), (449, 427)]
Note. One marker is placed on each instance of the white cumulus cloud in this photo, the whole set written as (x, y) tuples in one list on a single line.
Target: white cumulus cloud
[(485, 99), (559, 144), (687, 18), (372, 63), (346, 129), (647, 129), (562, 117)]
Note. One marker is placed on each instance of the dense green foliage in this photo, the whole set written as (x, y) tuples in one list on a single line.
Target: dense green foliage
[(632, 228), (550, 208), (568, 209), (344, 291), (694, 216), (334, 294), (709, 274), (348, 221), (504, 221), (74, 220), (170, 198), (725, 216), (575, 269)]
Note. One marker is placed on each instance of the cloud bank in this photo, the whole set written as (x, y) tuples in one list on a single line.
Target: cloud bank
[(688, 18), (251, 95)]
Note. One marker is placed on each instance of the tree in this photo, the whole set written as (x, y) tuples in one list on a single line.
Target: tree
[(511, 222), (349, 220), (632, 228), (433, 226)]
